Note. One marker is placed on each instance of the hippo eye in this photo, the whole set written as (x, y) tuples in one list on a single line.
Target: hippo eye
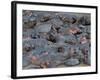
[(60, 49), (34, 37)]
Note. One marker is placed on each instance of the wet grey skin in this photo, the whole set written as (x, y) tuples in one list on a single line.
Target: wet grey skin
[(56, 39)]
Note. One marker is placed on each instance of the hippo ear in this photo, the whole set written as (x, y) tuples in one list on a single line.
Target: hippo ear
[(52, 27), (74, 20)]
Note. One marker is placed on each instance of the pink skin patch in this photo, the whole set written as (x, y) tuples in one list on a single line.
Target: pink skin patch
[(45, 53), (83, 40), (34, 58), (73, 30)]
